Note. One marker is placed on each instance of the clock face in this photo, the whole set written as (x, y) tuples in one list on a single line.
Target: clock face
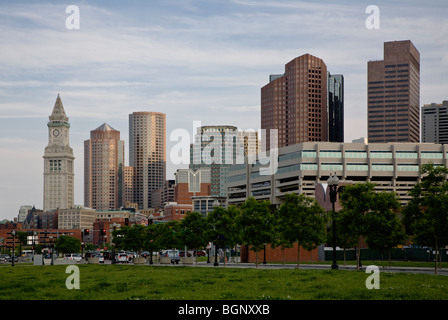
[(56, 133)]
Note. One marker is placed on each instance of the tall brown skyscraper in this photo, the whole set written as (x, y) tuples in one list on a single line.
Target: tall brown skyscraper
[(147, 154), (295, 103), (393, 97), (103, 169)]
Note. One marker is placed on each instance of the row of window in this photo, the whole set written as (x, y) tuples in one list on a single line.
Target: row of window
[(363, 154)]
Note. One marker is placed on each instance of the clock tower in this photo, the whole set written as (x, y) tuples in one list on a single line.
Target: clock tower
[(58, 162)]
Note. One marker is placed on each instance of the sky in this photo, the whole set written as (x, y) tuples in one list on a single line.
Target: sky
[(194, 60)]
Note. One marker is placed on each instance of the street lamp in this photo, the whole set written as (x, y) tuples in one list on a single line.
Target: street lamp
[(333, 182), (13, 232)]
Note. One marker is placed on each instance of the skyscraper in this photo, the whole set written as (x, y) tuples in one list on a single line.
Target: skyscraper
[(335, 107), (393, 98), (58, 162), (147, 154), (103, 169), (218, 147), (295, 103), (435, 122)]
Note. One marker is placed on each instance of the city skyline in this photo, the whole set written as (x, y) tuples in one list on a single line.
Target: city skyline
[(188, 59)]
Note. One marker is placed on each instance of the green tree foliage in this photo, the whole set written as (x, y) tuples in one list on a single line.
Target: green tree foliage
[(67, 244), (345, 236), (169, 235), (302, 220), (129, 237), (255, 223), (223, 229), (386, 229), (193, 230), (426, 215), (368, 214)]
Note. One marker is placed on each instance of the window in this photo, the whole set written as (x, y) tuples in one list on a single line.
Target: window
[(330, 154), (382, 167), (331, 166), (381, 154), (308, 154), (431, 155), (357, 167), (308, 166), (356, 154), (407, 167), (406, 154)]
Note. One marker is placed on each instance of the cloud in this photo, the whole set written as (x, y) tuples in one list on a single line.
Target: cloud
[(193, 60)]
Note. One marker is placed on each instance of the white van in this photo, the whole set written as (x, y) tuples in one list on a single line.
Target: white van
[(73, 256)]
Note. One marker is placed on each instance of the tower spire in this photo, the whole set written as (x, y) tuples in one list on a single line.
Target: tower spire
[(58, 113)]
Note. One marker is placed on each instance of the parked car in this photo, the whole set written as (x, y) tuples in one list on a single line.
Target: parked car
[(122, 257), (144, 254), (100, 258), (173, 254), (73, 256), (182, 254), (7, 258), (200, 253), (131, 256)]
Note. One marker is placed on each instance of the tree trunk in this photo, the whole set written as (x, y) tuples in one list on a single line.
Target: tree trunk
[(344, 258), (358, 256), (389, 258), (435, 260), (256, 260), (298, 254), (225, 256)]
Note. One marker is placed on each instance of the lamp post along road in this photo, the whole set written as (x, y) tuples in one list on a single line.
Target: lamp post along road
[(333, 182)]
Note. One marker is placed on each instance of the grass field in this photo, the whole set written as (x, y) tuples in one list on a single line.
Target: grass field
[(128, 282)]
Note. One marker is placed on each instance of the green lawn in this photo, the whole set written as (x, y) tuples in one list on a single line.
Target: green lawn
[(130, 282)]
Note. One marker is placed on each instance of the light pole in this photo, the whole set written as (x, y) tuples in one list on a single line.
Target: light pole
[(13, 232), (333, 182)]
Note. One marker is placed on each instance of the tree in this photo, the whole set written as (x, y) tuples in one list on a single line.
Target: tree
[(129, 237), (302, 220), (357, 200), (277, 236), (426, 214), (193, 229), (150, 242), (169, 236), (255, 223), (67, 244), (345, 236), (223, 228), (371, 215), (386, 230)]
